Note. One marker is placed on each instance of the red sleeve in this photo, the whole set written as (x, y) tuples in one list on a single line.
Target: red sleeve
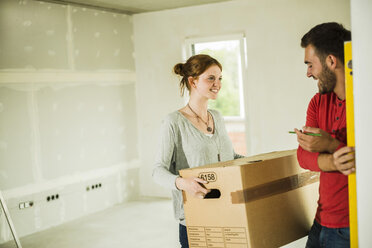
[(309, 160), (340, 145)]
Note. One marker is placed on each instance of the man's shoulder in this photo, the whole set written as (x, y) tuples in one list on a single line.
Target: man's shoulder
[(321, 97)]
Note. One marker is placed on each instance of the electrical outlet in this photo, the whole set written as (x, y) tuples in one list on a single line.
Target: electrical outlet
[(52, 197), (94, 186), (27, 204)]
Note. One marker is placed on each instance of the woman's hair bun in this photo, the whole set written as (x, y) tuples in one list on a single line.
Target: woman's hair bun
[(178, 69)]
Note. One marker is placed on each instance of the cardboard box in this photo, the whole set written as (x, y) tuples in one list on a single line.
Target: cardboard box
[(261, 201)]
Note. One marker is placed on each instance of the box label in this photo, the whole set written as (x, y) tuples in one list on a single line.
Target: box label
[(208, 176), (226, 237)]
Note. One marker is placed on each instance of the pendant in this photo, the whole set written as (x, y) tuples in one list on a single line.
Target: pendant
[(209, 129)]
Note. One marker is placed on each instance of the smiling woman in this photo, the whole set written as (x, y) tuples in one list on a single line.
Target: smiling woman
[(193, 135), (230, 102), (229, 51)]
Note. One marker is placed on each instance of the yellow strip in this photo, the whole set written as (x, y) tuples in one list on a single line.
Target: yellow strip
[(351, 142)]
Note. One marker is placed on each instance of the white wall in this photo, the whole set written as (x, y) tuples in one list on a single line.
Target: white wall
[(67, 112), (276, 89), (361, 20)]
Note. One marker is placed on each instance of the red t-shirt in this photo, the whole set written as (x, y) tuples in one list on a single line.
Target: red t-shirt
[(327, 112)]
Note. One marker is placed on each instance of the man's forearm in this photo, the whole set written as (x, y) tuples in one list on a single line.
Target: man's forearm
[(334, 143), (325, 162)]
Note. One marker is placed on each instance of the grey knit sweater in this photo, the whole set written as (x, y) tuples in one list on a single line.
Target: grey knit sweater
[(182, 146)]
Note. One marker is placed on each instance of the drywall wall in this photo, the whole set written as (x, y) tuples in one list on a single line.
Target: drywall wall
[(68, 124), (276, 89), (27, 40), (102, 40), (361, 20)]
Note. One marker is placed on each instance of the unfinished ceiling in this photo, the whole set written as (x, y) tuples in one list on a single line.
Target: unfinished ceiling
[(137, 6)]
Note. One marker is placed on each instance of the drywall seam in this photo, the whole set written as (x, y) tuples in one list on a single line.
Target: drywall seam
[(66, 77), (27, 87), (90, 6), (70, 39), (35, 136), (70, 179)]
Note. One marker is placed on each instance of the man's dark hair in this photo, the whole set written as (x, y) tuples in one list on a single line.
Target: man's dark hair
[(327, 38)]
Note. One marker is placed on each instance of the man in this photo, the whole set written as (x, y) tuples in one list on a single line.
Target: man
[(327, 153)]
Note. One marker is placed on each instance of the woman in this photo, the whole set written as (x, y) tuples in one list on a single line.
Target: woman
[(193, 135)]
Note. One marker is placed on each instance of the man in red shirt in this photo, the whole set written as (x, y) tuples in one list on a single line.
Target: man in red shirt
[(327, 153)]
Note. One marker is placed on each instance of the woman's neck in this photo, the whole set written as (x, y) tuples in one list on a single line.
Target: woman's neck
[(199, 106)]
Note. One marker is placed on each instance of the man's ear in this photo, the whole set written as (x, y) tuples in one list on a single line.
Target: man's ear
[(332, 62)]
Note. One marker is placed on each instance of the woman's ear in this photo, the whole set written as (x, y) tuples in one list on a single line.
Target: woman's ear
[(191, 82)]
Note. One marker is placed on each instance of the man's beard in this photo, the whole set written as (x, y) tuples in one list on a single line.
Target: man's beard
[(327, 80)]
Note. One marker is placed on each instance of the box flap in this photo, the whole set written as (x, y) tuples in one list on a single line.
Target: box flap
[(247, 160)]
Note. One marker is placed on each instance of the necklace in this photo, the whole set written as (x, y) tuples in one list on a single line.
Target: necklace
[(218, 148), (209, 129)]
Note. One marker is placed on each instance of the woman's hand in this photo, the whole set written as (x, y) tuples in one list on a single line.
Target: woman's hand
[(193, 186)]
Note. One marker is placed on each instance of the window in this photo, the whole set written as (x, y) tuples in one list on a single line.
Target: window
[(229, 51)]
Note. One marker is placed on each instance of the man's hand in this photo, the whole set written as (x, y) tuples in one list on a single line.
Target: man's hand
[(193, 186), (344, 160), (323, 143)]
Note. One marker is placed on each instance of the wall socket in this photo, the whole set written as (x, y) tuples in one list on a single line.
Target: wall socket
[(27, 204), (52, 197), (94, 186)]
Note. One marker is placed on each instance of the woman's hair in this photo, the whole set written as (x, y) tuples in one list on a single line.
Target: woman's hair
[(194, 67)]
